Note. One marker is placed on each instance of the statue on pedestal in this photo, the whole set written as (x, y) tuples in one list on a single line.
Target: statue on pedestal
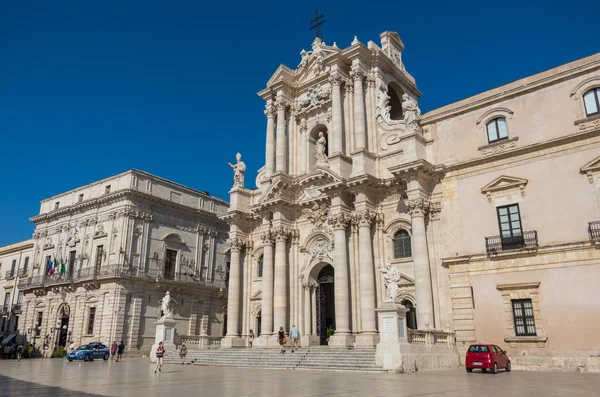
[(392, 278), (165, 306), (239, 169), (320, 145)]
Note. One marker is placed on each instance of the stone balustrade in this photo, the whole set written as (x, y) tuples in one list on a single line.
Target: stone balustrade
[(201, 342), (430, 337)]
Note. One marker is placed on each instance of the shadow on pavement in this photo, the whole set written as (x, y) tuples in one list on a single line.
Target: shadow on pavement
[(11, 387)]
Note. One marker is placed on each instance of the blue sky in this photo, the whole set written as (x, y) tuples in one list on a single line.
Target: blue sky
[(89, 89)]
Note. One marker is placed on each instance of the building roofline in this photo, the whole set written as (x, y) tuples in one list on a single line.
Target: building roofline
[(18, 246), (139, 172), (514, 88)]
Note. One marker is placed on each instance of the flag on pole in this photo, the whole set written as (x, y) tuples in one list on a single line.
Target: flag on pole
[(62, 266), (55, 269), (49, 266)]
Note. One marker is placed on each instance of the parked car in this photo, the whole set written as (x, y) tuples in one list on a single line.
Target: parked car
[(89, 352), (486, 357)]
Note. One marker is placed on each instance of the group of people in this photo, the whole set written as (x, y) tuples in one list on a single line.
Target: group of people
[(12, 351), (281, 337), (160, 354), (117, 350)]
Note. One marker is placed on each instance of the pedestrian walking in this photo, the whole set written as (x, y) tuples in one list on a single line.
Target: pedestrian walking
[(183, 353), (120, 350), (282, 339), (294, 336), (31, 350), (46, 350), (113, 350), (20, 350), (160, 352), (251, 338)]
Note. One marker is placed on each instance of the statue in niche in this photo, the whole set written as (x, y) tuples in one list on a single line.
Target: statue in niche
[(165, 306), (238, 171), (320, 146), (411, 112), (392, 277)]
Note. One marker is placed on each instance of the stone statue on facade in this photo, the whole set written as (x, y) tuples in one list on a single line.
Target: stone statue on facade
[(165, 306), (320, 146), (305, 55), (411, 112), (392, 277), (239, 169)]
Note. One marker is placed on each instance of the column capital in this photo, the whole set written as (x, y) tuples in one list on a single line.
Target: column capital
[(357, 75), (281, 233), (282, 104), (270, 111), (308, 286), (364, 218), (339, 221), (349, 86), (417, 206), (267, 237), (236, 244), (335, 79)]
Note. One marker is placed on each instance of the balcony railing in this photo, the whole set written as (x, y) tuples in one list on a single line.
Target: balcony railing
[(594, 230), (9, 275), (430, 337), (4, 309), (118, 271), (495, 244), (16, 308), (23, 272), (201, 342)]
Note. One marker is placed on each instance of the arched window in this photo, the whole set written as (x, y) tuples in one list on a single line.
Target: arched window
[(591, 99), (395, 93), (402, 247), (259, 267), (496, 129)]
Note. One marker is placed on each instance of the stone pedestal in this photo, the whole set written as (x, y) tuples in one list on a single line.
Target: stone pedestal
[(165, 332), (310, 340), (341, 340), (232, 341), (393, 341)]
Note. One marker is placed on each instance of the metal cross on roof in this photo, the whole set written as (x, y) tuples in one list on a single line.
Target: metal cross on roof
[(316, 24)]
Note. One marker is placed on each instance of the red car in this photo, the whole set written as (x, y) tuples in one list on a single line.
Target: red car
[(486, 357)]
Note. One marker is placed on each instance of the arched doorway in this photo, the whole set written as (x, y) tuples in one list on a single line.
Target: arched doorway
[(63, 336), (325, 303), (411, 314)]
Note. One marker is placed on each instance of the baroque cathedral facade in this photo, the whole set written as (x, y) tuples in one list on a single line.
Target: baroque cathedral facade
[(472, 216)]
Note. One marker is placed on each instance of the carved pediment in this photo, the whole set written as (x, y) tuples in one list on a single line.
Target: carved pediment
[(503, 183), (303, 189), (591, 168), (256, 296), (283, 73)]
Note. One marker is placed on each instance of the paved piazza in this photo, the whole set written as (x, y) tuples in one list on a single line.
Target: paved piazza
[(135, 377)]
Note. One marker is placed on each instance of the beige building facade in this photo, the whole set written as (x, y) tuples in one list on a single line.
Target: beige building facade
[(477, 217), (15, 264), (120, 244)]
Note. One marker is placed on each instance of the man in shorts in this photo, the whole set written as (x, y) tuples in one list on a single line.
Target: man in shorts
[(120, 350), (294, 335)]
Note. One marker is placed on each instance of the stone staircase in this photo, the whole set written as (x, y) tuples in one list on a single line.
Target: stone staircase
[(309, 358)]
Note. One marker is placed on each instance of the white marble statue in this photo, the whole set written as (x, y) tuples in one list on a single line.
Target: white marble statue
[(305, 55), (239, 169), (320, 155), (392, 278), (411, 112), (165, 306)]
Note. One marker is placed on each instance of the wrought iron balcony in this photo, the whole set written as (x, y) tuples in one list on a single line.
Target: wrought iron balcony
[(4, 309), (9, 275), (16, 308), (594, 230), (23, 272), (497, 244)]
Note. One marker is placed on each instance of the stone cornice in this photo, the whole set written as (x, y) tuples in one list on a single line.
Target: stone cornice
[(516, 88), (517, 286), (123, 194)]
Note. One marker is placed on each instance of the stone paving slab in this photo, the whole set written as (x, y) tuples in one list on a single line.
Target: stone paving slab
[(135, 377)]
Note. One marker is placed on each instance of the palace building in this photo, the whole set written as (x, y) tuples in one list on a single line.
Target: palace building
[(103, 256), (480, 217)]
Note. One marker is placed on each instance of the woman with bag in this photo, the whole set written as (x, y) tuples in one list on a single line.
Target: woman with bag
[(183, 353), (282, 340), (160, 353)]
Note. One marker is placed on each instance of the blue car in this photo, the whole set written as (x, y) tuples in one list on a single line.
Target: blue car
[(89, 352)]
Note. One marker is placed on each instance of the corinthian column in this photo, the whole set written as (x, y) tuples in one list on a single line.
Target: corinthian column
[(280, 289), (267, 285), (270, 152), (307, 312), (233, 292), (359, 111), (342, 288), (281, 138), (366, 271), (417, 208), (336, 113)]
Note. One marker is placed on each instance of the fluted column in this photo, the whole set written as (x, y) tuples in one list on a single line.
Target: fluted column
[(281, 155), (280, 302), (234, 290), (342, 287), (307, 310), (267, 285), (336, 113), (366, 272), (359, 111), (417, 208), (270, 152), (313, 302)]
